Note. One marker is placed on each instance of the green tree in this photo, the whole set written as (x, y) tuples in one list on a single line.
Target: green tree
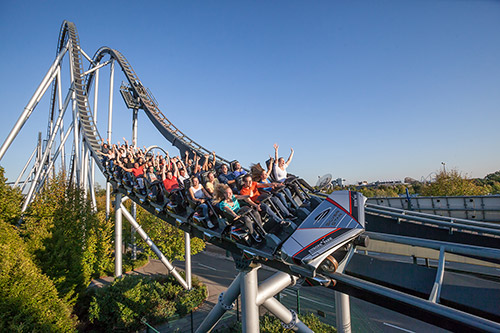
[(169, 239), (71, 243), (10, 203), (28, 299), (452, 183)]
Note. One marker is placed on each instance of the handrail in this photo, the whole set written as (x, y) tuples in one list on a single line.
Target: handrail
[(455, 248), (435, 217), (457, 226)]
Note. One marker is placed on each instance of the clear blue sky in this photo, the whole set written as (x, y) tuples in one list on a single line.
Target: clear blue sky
[(365, 90)]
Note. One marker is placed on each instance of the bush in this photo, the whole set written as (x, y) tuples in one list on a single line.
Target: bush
[(28, 299), (453, 183), (271, 324), (123, 304), (10, 201), (70, 242)]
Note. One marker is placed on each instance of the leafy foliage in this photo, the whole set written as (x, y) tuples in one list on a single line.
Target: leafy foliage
[(492, 180), (123, 304), (28, 299), (452, 183), (10, 201), (71, 243), (167, 238), (271, 324)]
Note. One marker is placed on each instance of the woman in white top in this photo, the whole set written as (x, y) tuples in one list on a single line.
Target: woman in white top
[(280, 165), (198, 194)]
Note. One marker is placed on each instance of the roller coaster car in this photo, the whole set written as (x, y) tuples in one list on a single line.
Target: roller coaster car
[(323, 239)]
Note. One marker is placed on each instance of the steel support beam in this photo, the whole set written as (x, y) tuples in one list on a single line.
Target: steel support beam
[(187, 258), (39, 92), (273, 285), (433, 313), (288, 317), (342, 301), (145, 237), (25, 166), (110, 102), (343, 312), (436, 288), (249, 307), (56, 154), (45, 155), (225, 303), (60, 103), (108, 199), (118, 235), (134, 205)]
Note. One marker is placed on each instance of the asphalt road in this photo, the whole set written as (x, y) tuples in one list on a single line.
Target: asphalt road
[(213, 265)]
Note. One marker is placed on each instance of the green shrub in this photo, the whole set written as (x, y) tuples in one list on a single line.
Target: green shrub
[(70, 242), (10, 201), (28, 299), (123, 304), (271, 324)]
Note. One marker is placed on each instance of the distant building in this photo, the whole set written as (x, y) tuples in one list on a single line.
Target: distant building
[(364, 183)]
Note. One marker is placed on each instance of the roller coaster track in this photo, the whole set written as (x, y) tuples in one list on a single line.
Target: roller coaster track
[(68, 38), (150, 107), (171, 133)]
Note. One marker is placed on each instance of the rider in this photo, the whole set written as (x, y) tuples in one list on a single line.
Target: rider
[(251, 189), (225, 177), (228, 202), (280, 165), (199, 195)]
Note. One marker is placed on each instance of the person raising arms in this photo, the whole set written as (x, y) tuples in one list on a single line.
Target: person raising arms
[(280, 165)]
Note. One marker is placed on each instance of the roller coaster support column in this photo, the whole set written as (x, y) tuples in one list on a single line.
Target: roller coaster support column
[(343, 312), (118, 235), (226, 302), (134, 205), (25, 166), (249, 307), (187, 257), (76, 127), (46, 154), (288, 317), (60, 103), (342, 302), (265, 297), (110, 124), (40, 91), (108, 199), (92, 162), (163, 259)]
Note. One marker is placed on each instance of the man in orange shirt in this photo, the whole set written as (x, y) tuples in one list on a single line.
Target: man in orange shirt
[(251, 189)]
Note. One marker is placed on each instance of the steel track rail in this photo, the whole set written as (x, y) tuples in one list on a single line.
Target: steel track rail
[(471, 226), (87, 125), (448, 219), (433, 313), (174, 135)]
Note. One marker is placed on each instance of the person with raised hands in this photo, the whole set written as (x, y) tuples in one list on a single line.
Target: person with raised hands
[(280, 165)]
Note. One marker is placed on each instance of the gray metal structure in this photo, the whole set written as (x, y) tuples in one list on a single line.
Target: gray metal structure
[(86, 155), (478, 208)]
